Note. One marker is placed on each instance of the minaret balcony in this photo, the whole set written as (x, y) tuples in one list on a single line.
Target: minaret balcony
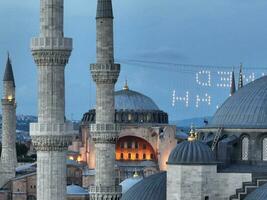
[(39, 43), (105, 72)]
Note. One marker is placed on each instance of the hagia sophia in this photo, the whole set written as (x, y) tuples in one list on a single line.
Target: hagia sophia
[(125, 147)]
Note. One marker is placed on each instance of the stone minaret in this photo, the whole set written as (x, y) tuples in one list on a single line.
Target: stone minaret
[(51, 135), (9, 156), (105, 132)]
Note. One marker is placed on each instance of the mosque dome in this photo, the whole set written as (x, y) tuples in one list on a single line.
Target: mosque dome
[(247, 108), (150, 188), (129, 182), (76, 190), (131, 100), (133, 107), (259, 194), (191, 152)]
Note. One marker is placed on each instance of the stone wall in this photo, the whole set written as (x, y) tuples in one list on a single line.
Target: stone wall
[(187, 182)]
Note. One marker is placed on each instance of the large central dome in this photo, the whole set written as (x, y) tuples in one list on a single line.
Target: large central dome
[(132, 107), (130, 100), (247, 108)]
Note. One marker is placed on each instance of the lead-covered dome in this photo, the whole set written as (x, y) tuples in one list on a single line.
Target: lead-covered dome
[(247, 108), (259, 194), (150, 188), (132, 107), (131, 100), (191, 152)]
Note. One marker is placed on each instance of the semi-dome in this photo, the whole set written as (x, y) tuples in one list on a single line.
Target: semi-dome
[(150, 188), (191, 152), (247, 108), (133, 107), (259, 194)]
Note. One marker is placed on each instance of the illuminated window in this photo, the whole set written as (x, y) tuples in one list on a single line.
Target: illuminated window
[(264, 149), (144, 146), (245, 144), (137, 156), (121, 155), (144, 156), (129, 156)]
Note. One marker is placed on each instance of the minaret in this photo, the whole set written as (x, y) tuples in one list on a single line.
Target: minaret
[(240, 82), (51, 135), (232, 89), (9, 156), (105, 132)]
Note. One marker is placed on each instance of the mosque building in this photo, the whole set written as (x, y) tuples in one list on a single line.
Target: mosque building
[(145, 140)]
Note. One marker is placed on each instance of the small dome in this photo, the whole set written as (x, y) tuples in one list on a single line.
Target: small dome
[(194, 152), (131, 100), (150, 188), (128, 183), (247, 108), (76, 190), (259, 194)]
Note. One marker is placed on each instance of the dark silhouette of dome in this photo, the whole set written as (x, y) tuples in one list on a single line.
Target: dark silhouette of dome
[(259, 194), (193, 152), (150, 188)]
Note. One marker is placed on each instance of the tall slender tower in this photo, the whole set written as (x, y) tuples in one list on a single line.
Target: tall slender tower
[(51, 135), (8, 156), (105, 132)]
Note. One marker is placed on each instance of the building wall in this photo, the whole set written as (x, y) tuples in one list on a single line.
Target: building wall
[(187, 182)]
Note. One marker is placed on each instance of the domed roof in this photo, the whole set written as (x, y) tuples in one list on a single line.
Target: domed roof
[(247, 108), (259, 194), (76, 190), (131, 100), (129, 182), (193, 152), (150, 188)]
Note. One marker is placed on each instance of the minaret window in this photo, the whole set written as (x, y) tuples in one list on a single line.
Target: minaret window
[(245, 145), (264, 149)]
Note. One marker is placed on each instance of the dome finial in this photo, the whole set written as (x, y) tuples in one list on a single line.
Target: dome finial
[(125, 87), (192, 134)]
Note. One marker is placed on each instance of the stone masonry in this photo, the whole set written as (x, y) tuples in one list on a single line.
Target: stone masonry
[(9, 156), (52, 134), (105, 132)]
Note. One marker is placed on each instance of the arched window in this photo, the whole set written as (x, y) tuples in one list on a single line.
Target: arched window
[(264, 149), (245, 144)]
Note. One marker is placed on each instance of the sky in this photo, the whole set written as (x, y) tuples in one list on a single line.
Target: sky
[(206, 32)]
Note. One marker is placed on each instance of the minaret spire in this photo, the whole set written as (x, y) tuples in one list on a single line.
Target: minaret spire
[(8, 75), (240, 82), (52, 134), (9, 157), (105, 131), (232, 89)]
